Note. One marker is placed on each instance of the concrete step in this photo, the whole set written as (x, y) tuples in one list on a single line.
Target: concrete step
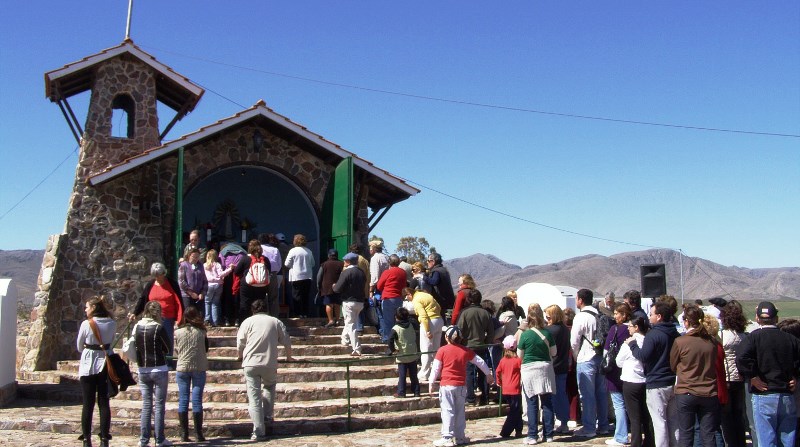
[(285, 375), (48, 416), (230, 392)]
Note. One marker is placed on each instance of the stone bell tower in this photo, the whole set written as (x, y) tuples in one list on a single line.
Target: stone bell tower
[(113, 231)]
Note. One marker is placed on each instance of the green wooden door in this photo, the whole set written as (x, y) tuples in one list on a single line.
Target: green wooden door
[(338, 212)]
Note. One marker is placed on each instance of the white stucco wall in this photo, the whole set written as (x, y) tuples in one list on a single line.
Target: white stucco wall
[(8, 332)]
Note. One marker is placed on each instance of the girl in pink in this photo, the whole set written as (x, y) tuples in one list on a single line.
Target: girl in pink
[(451, 365), (214, 274), (509, 377)]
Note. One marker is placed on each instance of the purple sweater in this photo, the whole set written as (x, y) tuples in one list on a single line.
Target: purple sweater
[(620, 333)]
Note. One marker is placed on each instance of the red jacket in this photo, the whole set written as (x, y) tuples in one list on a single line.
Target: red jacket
[(461, 300), (392, 282)]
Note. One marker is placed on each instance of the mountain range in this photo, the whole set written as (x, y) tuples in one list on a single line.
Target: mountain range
[(617, 273)]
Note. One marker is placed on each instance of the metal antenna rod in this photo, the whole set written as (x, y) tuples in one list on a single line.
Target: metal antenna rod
[(128, 27)]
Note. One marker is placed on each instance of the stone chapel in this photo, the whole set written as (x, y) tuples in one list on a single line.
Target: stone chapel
[(137, 195)]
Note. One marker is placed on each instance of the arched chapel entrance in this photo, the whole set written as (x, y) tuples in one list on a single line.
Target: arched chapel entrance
[(255, 199)]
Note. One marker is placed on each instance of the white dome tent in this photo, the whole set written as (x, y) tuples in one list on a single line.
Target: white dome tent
[(546, 295)]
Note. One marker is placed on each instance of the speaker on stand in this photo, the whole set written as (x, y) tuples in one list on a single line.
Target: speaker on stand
[(654, 280)]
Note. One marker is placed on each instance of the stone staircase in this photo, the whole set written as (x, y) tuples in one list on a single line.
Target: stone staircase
[(311, 394)]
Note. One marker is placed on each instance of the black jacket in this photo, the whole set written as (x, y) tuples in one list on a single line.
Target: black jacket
[(350, 285), (654, 355), (770, 354), (152, 344)]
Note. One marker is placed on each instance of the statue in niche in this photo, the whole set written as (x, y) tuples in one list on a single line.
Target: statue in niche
[(226, 217)]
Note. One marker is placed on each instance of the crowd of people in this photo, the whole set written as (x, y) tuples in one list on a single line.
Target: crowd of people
[(695, 378)]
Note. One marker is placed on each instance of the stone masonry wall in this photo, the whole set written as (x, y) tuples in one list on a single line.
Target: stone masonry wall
[(236, 148)]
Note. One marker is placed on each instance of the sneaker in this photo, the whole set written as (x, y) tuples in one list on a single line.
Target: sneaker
[(462, 441), (582, 433), (256, 437), (398, 396), (530, 441), (613, 441), (604, 432), (164, 443), (562, 429), (548, 440), (355, 354), (445, 442)]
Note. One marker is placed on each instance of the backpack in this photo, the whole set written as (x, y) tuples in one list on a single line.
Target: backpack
[(258, 275), (604, 324), (600, 332)]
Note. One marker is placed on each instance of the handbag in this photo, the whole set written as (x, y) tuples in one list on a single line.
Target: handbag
[(119, 373), (609, 363)]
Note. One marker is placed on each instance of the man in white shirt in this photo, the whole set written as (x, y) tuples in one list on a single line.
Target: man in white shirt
[(591, 383)]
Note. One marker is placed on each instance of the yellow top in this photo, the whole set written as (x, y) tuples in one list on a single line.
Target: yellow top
[(426, 308)]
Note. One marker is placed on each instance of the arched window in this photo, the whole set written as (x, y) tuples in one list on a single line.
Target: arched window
[(123, 116)]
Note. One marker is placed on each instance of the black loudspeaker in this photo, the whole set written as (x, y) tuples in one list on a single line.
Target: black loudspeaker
[(654, 280)]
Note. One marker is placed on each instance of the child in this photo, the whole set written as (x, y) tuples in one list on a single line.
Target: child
[(403, 341), (508, 377), (451, 365)]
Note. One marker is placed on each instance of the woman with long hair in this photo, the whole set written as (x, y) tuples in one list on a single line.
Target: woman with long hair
[(465, 282), (191, 346), (537, 348), (617, 335), (633, 386), (92, 371), (734, 421), (152, 347), (555, 325), (507, 315), (693, 358), (215, 275)]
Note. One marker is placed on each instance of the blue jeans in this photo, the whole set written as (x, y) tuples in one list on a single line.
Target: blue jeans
[(213, 300), (194, 381), (513, 422), (775, 416), (621, 427), (153, 386), (474, 373), (560, 399), (388, 307), (594, 395), (548, 420)]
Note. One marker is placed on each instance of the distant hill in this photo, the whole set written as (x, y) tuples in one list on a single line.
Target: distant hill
[(23, 267), (618, 273)]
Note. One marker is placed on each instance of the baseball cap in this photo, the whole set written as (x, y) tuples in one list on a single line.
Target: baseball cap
[(766, 309), (280, 236), (333, 252), (350, 257), (509, 342)]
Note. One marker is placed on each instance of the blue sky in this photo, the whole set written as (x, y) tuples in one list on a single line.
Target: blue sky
[(733, 198)]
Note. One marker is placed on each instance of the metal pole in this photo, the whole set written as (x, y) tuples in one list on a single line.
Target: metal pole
[(128, 26), (680, 253)]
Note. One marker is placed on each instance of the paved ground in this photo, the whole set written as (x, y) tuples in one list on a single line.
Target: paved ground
[(481, 432)]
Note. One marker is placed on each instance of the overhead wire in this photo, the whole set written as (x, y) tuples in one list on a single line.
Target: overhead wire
[(480, 104), (39, 184)]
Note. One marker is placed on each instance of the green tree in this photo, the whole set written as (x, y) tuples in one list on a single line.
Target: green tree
[(414, 248)]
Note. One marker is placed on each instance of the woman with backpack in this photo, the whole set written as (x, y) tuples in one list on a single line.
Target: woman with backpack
[(617, 335), (253, 273)]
